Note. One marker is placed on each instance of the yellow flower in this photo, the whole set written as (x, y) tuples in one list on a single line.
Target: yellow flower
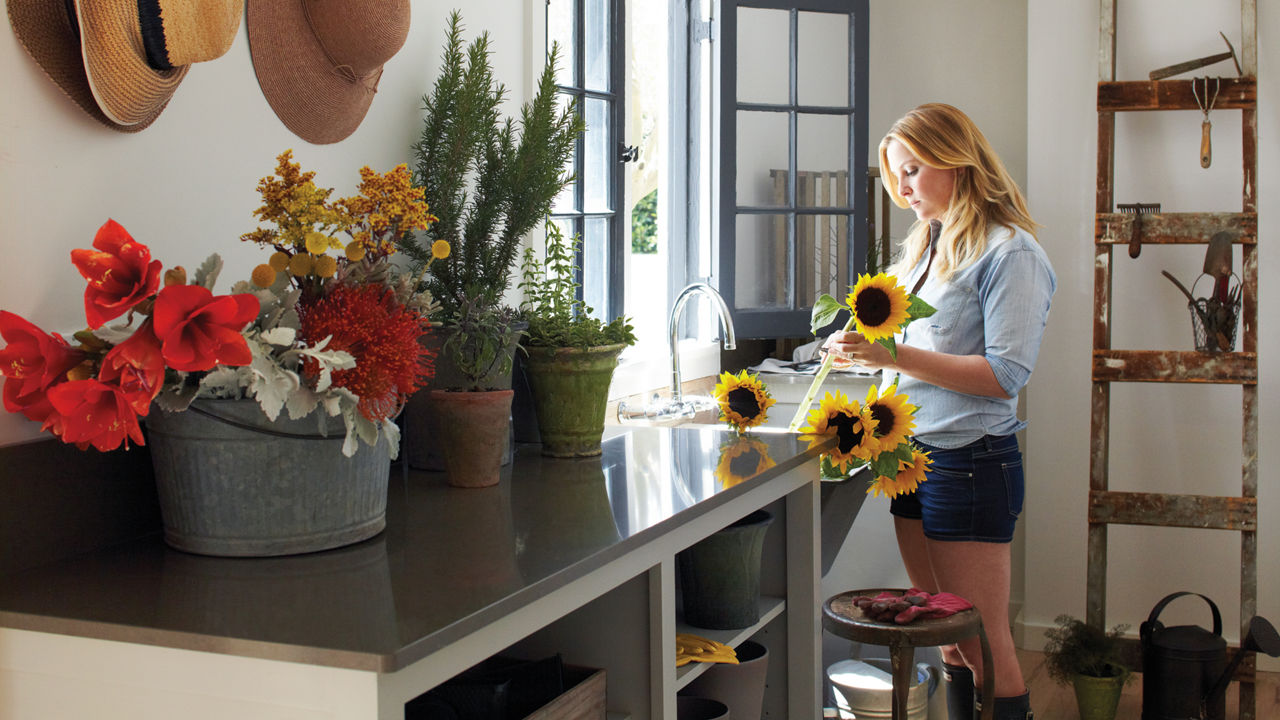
[(910, 475), (301, 265), (263, 276), (879, 306), (743, 399), (355, 251), (894, 416), (279, 261), (317, 243), (850, 422), (175, 276), (440, 249), (741, 458), (326, 266)]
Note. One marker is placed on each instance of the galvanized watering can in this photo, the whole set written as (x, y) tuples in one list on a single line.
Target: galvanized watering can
[(1185, 672)]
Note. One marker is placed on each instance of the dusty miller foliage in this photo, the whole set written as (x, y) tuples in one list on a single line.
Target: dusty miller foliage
[(488, 179)]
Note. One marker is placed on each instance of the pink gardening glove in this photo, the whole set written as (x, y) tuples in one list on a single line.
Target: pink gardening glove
[(937, 605)]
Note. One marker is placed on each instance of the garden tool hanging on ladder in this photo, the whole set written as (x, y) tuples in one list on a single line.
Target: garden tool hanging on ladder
[(1206, 105)]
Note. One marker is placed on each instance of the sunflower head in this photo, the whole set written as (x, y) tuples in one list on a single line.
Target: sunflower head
[(894, 416), (741, 458), (909, 476), (880, 306), (743, 399), (850, 423)]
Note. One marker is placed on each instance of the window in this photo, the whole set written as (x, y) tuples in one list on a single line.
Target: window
[(726, 142)]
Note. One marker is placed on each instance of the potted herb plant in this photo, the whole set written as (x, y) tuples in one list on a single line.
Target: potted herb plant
[(489, 181), (471, 422), (1089, 659), (570, 355)]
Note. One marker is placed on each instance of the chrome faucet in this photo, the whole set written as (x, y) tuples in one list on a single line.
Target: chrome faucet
[(673, 326)]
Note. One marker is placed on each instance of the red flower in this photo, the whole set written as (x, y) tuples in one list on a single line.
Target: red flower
[(120, 273), (33, 361), (199, 331), (95, 413), (136, 366), (383, 336)]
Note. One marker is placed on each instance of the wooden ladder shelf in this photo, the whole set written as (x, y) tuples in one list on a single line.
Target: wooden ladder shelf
[(1110, 365)]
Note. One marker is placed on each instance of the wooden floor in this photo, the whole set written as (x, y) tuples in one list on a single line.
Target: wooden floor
[(1052, 701)]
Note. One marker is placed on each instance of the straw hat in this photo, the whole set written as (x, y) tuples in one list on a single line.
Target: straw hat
[(318, 62), (49, 34), (137, 51)]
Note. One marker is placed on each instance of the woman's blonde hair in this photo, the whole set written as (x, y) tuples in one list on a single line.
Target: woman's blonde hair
[(984, 195)]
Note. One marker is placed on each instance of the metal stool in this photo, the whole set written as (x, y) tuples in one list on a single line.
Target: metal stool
[(841, 617)]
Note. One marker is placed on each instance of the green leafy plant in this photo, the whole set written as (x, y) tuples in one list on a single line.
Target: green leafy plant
[(478, 335), (487, 179), (557, 317), (1077, 648)]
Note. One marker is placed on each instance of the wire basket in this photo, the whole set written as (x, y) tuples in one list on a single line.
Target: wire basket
[(1214, 321)]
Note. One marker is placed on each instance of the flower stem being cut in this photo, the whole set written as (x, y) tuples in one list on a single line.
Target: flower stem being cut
[(816, 385)]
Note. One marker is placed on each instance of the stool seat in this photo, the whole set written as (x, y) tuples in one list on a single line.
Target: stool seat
[(841, 617)]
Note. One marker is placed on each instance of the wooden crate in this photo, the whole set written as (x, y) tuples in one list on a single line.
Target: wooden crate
[(582, 700)]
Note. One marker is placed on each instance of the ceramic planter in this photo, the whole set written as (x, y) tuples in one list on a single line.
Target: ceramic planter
[(570, 391), (720, 575), (1097, 698), (470, 428)]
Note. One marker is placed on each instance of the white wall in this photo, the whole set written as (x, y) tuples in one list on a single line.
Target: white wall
[(1164, 438), (185, 185)]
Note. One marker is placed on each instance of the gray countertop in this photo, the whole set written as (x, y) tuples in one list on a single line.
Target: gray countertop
[(450, 562)]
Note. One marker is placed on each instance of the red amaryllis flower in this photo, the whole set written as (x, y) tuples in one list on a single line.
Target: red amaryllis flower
[(95, 413), (383, 336), (199, 331), (33, 361), (137, 367), (120, 272)]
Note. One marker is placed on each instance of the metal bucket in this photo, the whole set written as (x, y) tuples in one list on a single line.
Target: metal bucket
[(864, 689), (235, 487)]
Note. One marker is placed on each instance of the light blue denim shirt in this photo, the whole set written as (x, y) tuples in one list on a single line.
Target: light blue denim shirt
[(997, 307)]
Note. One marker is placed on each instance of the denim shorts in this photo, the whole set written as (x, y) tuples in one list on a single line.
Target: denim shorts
[(970, 493)]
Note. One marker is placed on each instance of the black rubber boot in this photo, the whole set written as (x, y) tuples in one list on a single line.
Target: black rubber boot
[(959, 682), (1017, 707)]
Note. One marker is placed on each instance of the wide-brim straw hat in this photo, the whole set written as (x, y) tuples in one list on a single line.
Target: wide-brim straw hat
[(318, 62), (48, 32), (136, 52)]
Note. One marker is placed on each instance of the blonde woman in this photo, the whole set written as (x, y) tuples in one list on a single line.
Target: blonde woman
[(972, 254)]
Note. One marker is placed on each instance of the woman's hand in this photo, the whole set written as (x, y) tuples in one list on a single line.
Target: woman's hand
[(850, 348)]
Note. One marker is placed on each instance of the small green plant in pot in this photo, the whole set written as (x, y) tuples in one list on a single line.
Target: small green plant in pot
[(1089, 659), (570, 355), (471, 422)]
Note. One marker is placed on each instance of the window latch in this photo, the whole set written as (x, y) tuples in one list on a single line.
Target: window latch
[(628, 153)]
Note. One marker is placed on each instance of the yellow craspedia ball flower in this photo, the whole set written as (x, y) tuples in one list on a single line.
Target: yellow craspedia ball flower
[(279, 261), (317, 243), (355, 251), (440, 249), (325, 266), (300, 265), (263, 276)]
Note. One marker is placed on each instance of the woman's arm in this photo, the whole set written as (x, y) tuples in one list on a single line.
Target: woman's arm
[(970, 374)]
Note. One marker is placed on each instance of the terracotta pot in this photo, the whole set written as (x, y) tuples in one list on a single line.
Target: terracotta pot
[(471, 429)]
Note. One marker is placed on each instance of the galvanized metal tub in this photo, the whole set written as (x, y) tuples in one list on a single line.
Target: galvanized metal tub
[(233, 483)]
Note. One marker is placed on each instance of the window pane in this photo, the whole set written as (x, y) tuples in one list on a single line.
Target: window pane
[(597, 156), (561, 25), (822, 149), (566, 201), (762, 158), (595, 264), (823, 59), (763, 49), (596, 50), (760, 262), (822, 257)]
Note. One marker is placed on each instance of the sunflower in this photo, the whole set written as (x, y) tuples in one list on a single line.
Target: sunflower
[(894, 416), (743, 399), (910, 475), (741, 458), (880, 306), (850, 422)]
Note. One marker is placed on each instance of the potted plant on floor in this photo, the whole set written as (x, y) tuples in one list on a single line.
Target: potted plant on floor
[(470, 421), (1089, 659), (489, 181), (570, 354)]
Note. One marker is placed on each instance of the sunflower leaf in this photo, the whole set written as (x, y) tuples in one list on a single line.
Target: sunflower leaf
[(919, 308), (890, 345), (885, 464), (824, 312)]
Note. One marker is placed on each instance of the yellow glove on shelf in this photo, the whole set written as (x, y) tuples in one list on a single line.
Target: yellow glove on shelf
[(692, 648)]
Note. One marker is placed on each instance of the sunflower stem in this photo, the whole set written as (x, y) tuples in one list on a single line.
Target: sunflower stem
[(815, 386)]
